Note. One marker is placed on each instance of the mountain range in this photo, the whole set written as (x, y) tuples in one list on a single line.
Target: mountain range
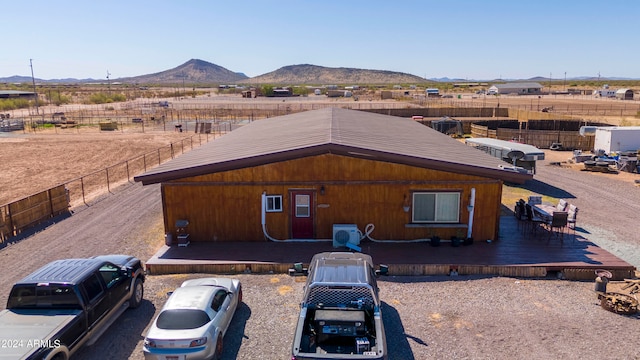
[(197, 71)]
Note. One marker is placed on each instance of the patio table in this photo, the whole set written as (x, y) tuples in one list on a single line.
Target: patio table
[(545, 210)]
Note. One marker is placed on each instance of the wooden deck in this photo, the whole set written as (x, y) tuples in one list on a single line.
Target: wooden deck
[(513, 254)]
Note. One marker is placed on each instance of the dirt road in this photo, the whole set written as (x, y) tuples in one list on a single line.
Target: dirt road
[(127, 223)]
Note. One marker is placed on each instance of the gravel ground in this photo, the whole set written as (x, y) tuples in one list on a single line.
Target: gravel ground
[(425, 317), (609, 203)]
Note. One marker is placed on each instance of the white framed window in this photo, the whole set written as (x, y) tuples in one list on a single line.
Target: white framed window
[(436, 207), (274, 203)]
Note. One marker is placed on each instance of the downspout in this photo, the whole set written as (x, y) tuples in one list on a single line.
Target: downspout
[(264, 217), (471, 208)]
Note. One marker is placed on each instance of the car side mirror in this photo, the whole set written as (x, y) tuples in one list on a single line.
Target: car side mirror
[(383, 270)]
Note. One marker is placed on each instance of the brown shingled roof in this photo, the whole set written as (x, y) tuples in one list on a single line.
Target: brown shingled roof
[(333, 130)]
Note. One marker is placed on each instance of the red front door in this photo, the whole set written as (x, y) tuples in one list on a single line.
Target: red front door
[(301, 214)]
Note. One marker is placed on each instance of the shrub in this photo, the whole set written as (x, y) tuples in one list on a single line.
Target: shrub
[(102, 98), (61, 99), (267, 90), (12, 104)]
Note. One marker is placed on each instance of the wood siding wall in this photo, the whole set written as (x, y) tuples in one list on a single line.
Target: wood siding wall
[(226, 206)]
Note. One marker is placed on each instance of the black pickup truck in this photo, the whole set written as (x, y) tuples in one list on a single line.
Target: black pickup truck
[(66, 304)]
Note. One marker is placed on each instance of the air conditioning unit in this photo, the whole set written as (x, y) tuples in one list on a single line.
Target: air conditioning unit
[(346, 235)]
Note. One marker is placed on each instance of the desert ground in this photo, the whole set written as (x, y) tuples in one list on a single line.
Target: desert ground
[(34, 162), (425, 317)]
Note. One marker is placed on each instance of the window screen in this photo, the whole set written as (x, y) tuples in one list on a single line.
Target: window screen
[(441, 207), (302, 206)]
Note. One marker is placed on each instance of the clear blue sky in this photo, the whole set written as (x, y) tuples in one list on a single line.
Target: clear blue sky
[(465, 39)]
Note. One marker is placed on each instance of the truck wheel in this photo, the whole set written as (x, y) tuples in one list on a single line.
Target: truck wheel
[(138, 293)]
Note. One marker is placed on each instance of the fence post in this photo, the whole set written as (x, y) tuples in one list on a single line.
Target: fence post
[(82, 187), (127, 164), (108, 189), (10, 217), (50, 202)]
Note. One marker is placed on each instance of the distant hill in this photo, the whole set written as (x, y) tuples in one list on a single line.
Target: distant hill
[(193, 71), (18, 79), (313, 74), (197, 71)]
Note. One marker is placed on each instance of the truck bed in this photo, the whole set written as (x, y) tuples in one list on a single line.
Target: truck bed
[(338, 331), (23, 331)]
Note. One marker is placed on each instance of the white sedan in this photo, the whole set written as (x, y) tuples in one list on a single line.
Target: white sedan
[(193, 321)]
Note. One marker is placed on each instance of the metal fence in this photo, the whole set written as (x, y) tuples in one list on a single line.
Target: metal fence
[(18, 216)]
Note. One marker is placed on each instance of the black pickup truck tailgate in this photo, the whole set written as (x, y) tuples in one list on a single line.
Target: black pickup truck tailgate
[(24, 331)]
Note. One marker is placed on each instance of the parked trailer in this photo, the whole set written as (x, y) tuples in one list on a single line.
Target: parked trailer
[(503, 149), (612, 139)]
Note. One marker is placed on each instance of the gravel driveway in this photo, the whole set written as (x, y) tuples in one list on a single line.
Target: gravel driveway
[(425, 317)]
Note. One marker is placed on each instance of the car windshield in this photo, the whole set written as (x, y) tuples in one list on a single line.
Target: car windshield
[(181, 319), (46, 296)]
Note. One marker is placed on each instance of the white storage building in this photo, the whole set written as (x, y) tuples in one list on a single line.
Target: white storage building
[(520, 88), (624, 94), (617, 138)]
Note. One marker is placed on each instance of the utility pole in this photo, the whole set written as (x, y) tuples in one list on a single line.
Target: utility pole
[(33, 80), (184, 90), (108, 82)]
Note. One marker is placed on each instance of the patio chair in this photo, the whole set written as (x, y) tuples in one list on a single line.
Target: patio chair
[(571, 219), (533, 221), (520, 212), (558, 222), (562, 205)]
